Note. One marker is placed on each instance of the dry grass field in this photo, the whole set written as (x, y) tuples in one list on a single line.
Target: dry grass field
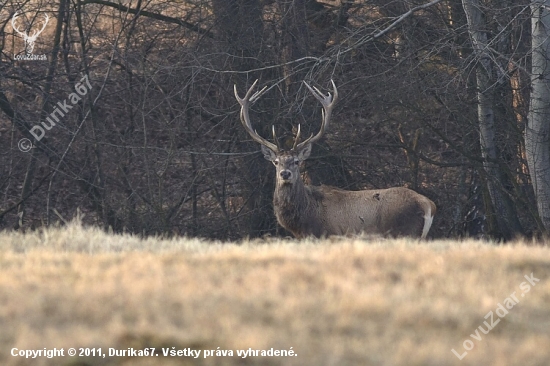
[(333, 302)]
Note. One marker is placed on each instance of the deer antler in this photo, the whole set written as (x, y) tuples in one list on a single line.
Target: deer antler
[(328, 102), (46, 19), (22, 34), (245, 103), (29, 39)]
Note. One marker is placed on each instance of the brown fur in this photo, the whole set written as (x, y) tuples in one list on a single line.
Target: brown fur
[(322, 211)]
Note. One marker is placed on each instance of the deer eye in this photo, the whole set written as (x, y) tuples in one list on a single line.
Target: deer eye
[(296, 162), (276, 162)]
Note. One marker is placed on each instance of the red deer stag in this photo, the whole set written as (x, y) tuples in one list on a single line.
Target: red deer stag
[(307, 210)]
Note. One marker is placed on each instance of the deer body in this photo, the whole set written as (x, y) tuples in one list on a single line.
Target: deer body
[(306, 210), (322, 211)]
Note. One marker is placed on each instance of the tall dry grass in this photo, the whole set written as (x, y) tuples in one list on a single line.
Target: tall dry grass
[(335, 302)]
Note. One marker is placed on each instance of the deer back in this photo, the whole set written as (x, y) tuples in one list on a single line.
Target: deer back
[(394, 211)]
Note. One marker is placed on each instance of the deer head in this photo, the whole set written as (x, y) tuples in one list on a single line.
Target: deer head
[(29, 39), (287, 163)]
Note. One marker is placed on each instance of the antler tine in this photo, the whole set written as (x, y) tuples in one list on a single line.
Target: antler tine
[(36, 33), (15, 16), (327, 102), (297, 137), (275, 137), (245, 103)]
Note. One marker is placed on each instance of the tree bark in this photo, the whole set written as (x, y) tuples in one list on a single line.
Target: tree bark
[(506, 219), (537, 132), (240, 27)]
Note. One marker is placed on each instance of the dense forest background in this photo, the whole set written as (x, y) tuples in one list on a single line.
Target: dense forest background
[(153, 143)]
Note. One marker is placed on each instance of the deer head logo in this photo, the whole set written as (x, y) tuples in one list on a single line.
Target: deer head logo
[(30, 39)]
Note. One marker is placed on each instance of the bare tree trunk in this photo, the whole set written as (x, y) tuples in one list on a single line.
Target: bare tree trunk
[(537, 133), (506, 219), (29, 176), (240, 26)]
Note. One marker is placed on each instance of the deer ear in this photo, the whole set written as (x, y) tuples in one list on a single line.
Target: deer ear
[(268, 153), (303, 154)]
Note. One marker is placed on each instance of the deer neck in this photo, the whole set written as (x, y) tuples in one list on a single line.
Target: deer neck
[(294, 195), (296, 210)]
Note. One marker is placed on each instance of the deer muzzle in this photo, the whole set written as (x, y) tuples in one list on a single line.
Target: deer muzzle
[(285, 174)]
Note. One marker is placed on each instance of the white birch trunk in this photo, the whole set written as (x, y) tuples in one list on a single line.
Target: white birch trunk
[(506, 219), (537, 132)]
